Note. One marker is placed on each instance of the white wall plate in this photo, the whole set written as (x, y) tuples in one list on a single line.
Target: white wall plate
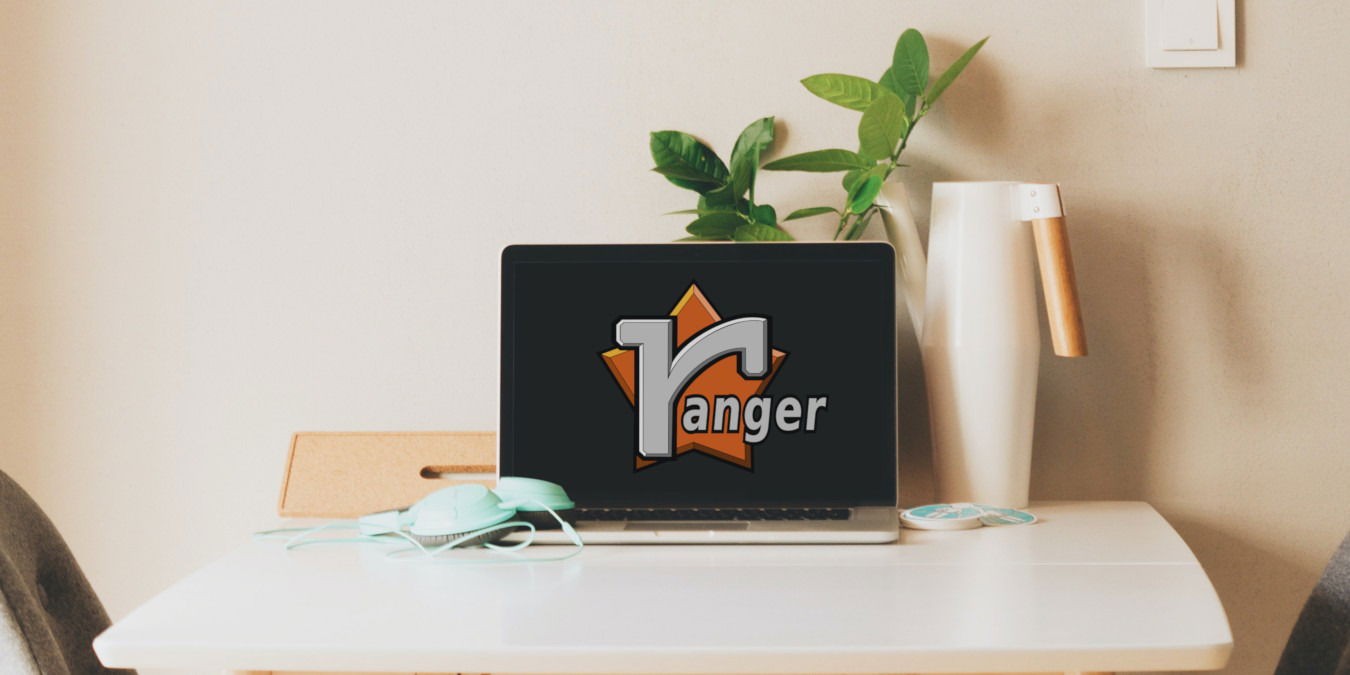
[(1179, 33)]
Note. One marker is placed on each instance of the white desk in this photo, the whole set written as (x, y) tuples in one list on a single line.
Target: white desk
[(1095, 586)]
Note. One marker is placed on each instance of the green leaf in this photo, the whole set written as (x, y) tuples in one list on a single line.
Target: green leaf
[(881, 127), (700, 212), (909, 65), (864, 194), (760, 232), (681, 156), (810, 211), (950, 74), (696, 186), (888, 83), (851, 178), (681, 176), (717, 225), (850, 91), (755, 139), (720, 199), (821, 160), (764, 214), (694, 238)]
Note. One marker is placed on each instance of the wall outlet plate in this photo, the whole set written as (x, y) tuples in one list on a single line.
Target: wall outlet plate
[(1161, 46)]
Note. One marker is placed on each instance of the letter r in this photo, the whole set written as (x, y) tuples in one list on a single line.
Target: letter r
[(661, 377)]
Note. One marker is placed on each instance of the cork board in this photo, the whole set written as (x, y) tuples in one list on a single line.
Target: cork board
[(346, 474)]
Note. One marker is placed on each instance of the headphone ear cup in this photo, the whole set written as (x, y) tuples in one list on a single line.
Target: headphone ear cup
[(484, 538), (456, 511)]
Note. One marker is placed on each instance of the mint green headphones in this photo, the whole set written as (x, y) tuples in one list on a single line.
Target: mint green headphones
[(459, 516)]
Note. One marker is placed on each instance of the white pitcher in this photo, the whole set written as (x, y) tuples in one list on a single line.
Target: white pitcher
[(974, 310)]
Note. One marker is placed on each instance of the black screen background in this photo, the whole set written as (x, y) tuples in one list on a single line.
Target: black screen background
[(565, 419)]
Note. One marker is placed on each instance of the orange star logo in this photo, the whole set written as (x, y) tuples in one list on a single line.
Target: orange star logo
[(692, 314)]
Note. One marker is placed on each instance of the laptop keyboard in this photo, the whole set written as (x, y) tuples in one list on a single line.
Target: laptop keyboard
[(712, 514)]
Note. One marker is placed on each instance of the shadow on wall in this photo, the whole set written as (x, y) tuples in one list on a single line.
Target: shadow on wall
[(27, 192), (1095, 416), (916, 456), (1098, 418), (1250, 580)]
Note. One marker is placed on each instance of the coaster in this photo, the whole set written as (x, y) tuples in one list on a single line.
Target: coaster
[(996, 516), (959, 516)]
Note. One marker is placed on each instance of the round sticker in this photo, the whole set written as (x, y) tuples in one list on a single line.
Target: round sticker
[(995, 516), (960, 516)]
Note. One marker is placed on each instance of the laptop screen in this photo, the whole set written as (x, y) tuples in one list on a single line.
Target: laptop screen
[(682, 375)]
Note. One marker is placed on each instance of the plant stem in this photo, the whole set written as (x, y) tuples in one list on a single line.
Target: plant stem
[(894, 164)]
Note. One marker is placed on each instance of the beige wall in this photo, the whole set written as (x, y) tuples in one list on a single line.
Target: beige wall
[(222, 222)]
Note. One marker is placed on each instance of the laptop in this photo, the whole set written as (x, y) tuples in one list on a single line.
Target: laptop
[(704, 393)]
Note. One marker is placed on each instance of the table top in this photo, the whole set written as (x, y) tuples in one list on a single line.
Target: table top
[(1097, 586)]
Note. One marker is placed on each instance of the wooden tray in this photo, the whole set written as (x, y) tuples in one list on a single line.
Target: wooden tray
[(347, 474)]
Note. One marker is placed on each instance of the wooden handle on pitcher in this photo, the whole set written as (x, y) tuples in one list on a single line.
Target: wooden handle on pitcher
[(1061, 293)]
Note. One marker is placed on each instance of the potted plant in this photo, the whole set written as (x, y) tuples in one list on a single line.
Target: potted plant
[(891, 108)]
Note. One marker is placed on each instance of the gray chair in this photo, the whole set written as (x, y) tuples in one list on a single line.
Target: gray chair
[(49, 614), (1320, 642)]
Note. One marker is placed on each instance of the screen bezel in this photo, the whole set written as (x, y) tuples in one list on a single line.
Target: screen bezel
[(862, 253)]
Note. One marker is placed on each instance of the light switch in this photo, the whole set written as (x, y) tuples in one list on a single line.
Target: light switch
[(1190, 25), (1190, 33)]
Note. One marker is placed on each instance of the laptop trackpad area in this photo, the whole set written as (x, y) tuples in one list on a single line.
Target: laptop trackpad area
[(687, 526)]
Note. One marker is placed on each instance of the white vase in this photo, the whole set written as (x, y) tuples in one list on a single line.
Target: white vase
[(981, 343), (973, 306)]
